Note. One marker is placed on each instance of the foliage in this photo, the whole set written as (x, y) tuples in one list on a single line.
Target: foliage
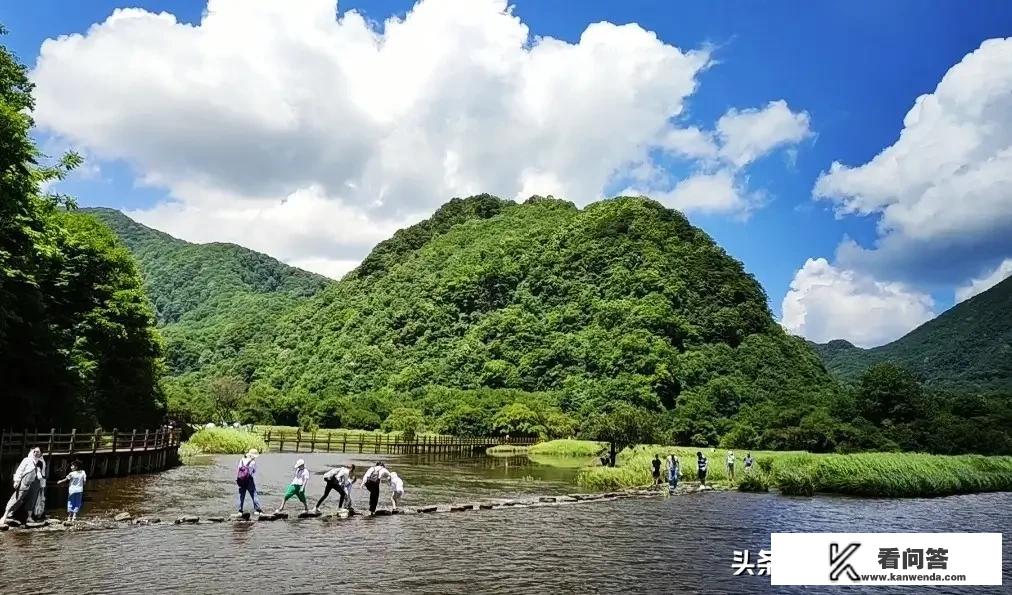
[(568, 448), (77, 345), (967, 349), (406, 420), (506, 450), (226, 441), (620, 424), (756, 480)]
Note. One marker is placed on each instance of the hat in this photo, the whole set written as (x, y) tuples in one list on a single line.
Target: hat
[(300, 463), (253, 453)]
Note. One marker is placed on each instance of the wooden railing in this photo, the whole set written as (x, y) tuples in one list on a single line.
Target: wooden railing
[(328, 441), (58, 443)]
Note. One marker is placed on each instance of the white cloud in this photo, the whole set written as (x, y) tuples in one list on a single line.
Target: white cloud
[(690, 142), (262, 101), (941, 191), (749, 134), (826, 302), (717, 192), (1000, 273)]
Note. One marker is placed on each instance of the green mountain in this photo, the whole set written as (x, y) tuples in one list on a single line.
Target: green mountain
[(621, 301), (209, 299), (966, 349)]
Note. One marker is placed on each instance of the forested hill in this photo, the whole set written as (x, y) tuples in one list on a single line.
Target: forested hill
[(966, 349), (623, 301), (210, 299)]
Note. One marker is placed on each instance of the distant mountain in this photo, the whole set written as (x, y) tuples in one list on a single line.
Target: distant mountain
[(209, 299), (967, 348)]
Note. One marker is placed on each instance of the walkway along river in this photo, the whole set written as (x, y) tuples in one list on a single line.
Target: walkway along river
[(682, 543)]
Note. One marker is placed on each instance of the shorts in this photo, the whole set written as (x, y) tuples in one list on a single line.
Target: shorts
[(297, 491), (74, 502)]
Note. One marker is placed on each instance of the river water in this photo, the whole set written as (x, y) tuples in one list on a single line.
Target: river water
[(682, 543)]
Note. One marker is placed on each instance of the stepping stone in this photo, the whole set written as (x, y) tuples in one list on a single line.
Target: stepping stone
[(268, 517), (187, 520), (216, 519), (612, 495), (309, 515), (485, 507), (281, 515), (382, 513), (426, 509), (4, 527), (142, 521), (240, 516), (565, 499), (35, 525), (13, 524), (123, 516), (546, 499), (510, 503), (460, 508)]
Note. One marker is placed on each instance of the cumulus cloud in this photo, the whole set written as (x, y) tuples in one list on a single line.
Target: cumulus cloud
[(825, 302), (749, 134), (717, 192), (941, 191), (1000, 273), (310, 134)]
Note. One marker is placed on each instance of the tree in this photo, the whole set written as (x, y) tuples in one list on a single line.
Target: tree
[(406, 420), (621, 424), (517, 419), (225, 394), (888, 395)]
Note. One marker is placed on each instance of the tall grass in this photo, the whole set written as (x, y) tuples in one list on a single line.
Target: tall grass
[(506, 450), (805, 474), (568, 448), (224, 441)]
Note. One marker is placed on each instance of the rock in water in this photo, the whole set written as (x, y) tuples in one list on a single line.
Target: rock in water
[(383, 512), (546, 499), (123, 516), (309, 514), (427, 509), (13, 523), (267, 517), (216, 519), (281, 515), (34, 525), (187, 520), (485, 506), (240, 516), (4, 527)]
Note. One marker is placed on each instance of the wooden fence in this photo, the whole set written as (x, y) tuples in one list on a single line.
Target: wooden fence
[(102, 454), (299, 441)]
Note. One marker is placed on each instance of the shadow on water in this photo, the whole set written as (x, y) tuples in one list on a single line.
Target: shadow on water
[(683, 543)]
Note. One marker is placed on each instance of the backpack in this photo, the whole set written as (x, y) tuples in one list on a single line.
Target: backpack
[(243, 475)]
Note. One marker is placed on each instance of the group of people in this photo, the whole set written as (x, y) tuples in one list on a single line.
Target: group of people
[(29, 498), (674, 468), (337, 479)]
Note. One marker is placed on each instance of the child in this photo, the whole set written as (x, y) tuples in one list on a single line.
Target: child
[(75, 496), (297, 487), (396, 490)]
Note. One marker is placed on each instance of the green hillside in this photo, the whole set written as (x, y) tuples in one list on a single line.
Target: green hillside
[(492, 302), (966, 349), (210, 299)]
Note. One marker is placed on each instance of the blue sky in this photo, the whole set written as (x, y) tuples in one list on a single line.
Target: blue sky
[(855, 69)]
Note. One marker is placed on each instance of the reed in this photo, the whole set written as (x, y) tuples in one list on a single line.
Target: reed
[(506, 450), (223, 441), (568, 448)]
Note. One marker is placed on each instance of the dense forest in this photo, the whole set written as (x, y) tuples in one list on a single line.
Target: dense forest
[(967, 349), (209, 299), (77, 340)]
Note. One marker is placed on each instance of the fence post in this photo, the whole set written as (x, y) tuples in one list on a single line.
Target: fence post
[(49, 447), (133, 436), (344, 442), (281, 435), (114, 432), (328, 440), (94, 442), (73, 438), (145, 440), (298, 438), (267, 439), (312, 442), (361, 442)]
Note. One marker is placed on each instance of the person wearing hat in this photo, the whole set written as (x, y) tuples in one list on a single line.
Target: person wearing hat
[(244, 479), (371, 482), (298, 485)]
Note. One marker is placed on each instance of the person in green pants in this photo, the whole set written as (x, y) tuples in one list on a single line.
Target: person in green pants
[(297, 487)]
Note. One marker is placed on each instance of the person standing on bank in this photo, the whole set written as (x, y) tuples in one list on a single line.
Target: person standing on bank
[(75, 493), (297, 487), (335, 479), (748, 463), (674, 470), (26, 486), (730, 464), (656, 463), (701, 466), (371, 481), (244, 478)]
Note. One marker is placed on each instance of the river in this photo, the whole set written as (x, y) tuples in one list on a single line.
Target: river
[(683, 543)]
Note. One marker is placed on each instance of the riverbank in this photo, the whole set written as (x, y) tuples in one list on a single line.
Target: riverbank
[(895, 475)]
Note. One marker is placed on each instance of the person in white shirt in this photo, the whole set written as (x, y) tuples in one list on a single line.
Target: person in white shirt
[(75, 493), (371, 481), (396, 490), (335, 479), (298, 485), (730, 464), (26, 485)]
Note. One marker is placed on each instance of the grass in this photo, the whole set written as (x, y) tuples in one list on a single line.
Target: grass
[(892, 475), (506, 450), (568, 448), (221, 441)]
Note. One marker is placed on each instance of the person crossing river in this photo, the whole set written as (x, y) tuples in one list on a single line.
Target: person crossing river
[(371, 481), (336, 479)]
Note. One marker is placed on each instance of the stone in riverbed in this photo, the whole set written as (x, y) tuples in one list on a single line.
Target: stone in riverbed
[(123, 516), (485, 506), (461, 508), (612, 495), (4, 527), (309, 514), (546, 499), (383, 512), (35, 525), (426, 509), (187, 520), (13, 524), (216, 519), (240, 516)]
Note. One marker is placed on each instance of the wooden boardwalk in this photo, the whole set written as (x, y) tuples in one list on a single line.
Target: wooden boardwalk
[(325, 441), (102, 454)]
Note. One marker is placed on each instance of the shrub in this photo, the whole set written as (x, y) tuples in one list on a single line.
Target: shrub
[(754, 481), (225, 441), (568, 448)]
